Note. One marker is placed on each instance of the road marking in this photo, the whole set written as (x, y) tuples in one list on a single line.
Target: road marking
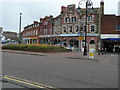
[(28, 82)]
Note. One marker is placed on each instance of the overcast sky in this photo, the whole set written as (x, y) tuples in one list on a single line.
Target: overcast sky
[(35, 9)]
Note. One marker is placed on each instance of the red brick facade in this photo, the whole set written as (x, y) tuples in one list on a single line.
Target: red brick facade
[(68, 26), (108, 24)]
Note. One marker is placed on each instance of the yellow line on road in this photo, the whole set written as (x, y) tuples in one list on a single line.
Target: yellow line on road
[(39, 85), (30, 81), (24, 82)]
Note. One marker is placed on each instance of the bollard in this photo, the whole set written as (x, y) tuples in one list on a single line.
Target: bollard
[(99, 52), (91, 54)]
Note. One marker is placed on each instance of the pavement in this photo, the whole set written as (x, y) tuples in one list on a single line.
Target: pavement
[(72, 55)]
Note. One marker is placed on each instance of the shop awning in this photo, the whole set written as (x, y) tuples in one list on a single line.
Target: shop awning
[(112, 39)]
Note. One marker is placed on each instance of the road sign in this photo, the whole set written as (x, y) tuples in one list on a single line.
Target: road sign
[(81, 38)]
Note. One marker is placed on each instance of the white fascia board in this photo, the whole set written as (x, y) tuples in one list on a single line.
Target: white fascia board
[(110, 36), (26, 38)]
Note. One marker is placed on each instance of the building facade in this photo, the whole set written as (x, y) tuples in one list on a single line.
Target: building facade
[(110, 32), (46, 30), (9, 37), (30, 33), (66, 29)]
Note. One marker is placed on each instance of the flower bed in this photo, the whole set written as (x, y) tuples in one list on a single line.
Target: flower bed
[(36, 47)]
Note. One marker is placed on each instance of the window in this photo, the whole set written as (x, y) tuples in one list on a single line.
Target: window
[(67, 20), (117, 27), (73, 19), (89, 18), (92, 28), (64, 29), (46, 31), (46, 22), (59, 30), (70, 28), (76, 28), (92, 42), (54, 30), (36, 32)]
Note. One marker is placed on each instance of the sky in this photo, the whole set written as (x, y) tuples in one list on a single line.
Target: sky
[(33, 10)]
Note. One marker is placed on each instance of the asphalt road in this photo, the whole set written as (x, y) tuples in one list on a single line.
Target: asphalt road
[(62, 72)]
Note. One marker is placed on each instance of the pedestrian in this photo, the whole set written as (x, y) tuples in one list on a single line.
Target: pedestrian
[(105, 50), (99, 52), (102, 51)]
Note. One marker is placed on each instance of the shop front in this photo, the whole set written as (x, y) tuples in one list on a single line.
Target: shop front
[(111, 44)]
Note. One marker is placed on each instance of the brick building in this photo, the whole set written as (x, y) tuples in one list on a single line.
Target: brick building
[(66, 28), (46, 30), (30, 33), (110, 32)]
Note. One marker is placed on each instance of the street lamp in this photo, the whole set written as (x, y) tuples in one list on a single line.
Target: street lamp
[(20, 29), (88, 3)]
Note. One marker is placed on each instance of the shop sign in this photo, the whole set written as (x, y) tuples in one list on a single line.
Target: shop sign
[(81, 38)]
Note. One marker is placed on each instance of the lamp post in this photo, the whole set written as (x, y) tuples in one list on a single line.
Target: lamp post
[(20, 29), (87, 3)]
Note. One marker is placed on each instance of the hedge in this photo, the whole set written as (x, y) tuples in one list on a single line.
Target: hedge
[(35, 47)]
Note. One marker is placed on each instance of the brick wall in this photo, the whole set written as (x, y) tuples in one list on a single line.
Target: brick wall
[(108, 23)]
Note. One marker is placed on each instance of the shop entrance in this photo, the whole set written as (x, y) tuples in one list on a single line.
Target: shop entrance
[(111, 46)]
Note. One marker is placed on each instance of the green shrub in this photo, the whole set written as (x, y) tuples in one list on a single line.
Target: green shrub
[(35, 47)]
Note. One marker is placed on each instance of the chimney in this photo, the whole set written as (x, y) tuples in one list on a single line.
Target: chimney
[(35, 22), (63, 8)]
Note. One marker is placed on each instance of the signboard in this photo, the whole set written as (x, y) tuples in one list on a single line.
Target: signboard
[(34, 38), (81, 38)]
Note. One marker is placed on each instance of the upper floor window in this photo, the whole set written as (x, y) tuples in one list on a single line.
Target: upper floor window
[(59, 30), (36, 32), (70, 28), (89, 18), (67, 19), (64, 29), (73, 19), (77, 28), (40, 31), (117, 27), (92, 28), (54, 30), (46, 22)]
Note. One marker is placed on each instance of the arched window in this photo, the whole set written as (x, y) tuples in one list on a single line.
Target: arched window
[(92, 42), (64, 29), (54, 30), (70, 28), (77, 28)]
